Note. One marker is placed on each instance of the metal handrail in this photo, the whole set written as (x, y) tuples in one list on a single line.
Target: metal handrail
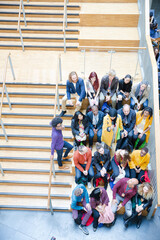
[(21, 6), (4, 88), (65, 23), (52, 169)]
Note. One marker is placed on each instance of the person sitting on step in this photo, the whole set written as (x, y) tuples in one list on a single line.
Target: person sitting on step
[(101, 162), (142, 200), (58, 143), (83, 164), (80, 128), (119, 165), (95, 119), (139, 162), (123, 191), (79, 204), (139, 95), (124, 91), (93, 88), (128, 116), (108, 88), (75, 89), (141, 131)]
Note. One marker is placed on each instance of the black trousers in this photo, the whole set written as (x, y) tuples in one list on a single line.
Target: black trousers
[(137, 175), (95, 216)]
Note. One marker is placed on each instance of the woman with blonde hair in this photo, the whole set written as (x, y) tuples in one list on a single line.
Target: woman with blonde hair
[(142, 200)]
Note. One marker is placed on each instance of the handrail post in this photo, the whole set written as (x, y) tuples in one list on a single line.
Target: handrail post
[(21, 38), (60, 69), (65, 12), (3, 128), (111, 52), (1, 169), (64, 34), (10, 62), (8, 97), (84, 62)]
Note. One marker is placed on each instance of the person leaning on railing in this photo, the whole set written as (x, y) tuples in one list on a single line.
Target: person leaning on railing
[(75, 88)]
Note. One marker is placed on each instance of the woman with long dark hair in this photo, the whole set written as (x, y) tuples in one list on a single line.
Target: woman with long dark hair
[(142, 128), (93, 88), (124, 91), (80, 127)]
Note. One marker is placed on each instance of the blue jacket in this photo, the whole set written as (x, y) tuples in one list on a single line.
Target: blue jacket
[(78, 199), (80, 89), (100, 120)]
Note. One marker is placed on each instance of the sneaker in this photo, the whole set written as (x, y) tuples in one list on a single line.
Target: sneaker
[(84, 229), (94, 229), (64, 167), (62, 113), (89, 185)]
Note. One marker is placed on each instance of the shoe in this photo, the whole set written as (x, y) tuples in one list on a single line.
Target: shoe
[(89, 185), (62, 113), (68, 157), (94, 229), (64, 167), (138, 224), (84, 229)]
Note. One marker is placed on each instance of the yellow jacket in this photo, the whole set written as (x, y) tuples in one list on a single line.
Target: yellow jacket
[(137, 160), (107, 136), (147, 123)]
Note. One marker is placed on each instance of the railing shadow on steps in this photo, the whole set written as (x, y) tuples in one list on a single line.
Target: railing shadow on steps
[(52, 168), (21, 6)]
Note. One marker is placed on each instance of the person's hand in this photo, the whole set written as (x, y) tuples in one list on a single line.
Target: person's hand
[(102, 173), (140, 135), (119, 206), (108, 98), (88, 207), (114, 201), (138, 170), (126, 94), (112, 127), (125, 133), (81, 134), (70, 102), (51, 157), (85, 172), (78, 103), (120, 170), (135, 131), (138, 106), (95, 131)]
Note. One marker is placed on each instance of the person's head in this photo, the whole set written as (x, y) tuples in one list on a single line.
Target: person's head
[(100, 147), (147, 111), (73, 77), (96, 193), (126, 157), (82, 149), (78, 116), (111, 74), (57, 123), (113, 114), (156, 51), (143, 85), (146, 190), (132, 182), (78, 192), (95, 110), (126, 109), (93, 78), (127, 79), (144, 151)]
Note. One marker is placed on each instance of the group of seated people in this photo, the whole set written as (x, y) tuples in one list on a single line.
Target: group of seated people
[(119, 118)]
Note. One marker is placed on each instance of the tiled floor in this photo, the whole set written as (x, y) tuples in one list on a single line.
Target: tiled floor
[(27, 225)]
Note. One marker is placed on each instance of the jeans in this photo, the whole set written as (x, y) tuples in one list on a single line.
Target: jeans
[(60, 152), (128, 205), (116, 170), (91, 135), (79, 174), (145, 104)]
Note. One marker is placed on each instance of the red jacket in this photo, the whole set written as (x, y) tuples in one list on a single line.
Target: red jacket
[(120, 188), (82, 159)]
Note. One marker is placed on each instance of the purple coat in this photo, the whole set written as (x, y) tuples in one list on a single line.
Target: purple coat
[(103, 199), (57, 140)]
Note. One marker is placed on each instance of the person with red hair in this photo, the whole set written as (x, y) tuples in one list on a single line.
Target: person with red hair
[(93, 88)]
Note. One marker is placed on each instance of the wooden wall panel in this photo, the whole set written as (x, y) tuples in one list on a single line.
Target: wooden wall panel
[(117, 43), (109, 20)]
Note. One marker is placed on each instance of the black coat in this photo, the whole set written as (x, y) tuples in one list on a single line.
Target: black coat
[(75, 126), (98, 158), (105, 85), (100, 120), (125, 87), (131, 119)]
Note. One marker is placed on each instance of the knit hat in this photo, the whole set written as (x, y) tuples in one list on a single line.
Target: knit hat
[(56, 121)]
